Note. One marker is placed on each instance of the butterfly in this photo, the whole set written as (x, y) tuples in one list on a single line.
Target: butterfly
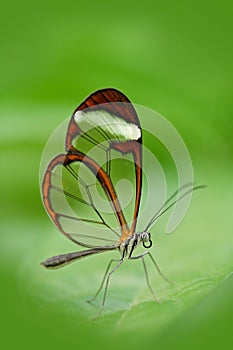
[(104, 127)]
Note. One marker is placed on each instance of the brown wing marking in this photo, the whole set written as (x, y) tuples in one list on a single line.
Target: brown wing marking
[(106, 98), (102, 177), (135, 148)]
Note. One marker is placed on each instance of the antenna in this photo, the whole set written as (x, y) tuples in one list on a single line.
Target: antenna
[(163, 209)]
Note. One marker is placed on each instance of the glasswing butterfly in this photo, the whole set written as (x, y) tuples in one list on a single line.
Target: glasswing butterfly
[(104, 128)]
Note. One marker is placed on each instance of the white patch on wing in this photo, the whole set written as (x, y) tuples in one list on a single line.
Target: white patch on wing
[(112, 124)]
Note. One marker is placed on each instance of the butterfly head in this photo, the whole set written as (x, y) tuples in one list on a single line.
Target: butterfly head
[(145, 239)]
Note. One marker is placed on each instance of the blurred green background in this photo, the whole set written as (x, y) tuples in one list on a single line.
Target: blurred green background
[(172, 56)]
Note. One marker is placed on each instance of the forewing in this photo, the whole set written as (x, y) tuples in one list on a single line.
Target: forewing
[(103, 145), (106, 122)]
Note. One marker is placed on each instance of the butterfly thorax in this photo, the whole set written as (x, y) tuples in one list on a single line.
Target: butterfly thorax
[(130, 243)]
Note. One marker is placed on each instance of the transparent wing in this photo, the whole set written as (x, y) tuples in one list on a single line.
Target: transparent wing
[(69, 200), (85, 190), (107, 121)]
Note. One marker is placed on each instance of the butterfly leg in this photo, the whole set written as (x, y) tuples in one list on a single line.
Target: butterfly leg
[(148, 282), (141, 256), (155, 264), (103, 280), (106, 285), (158, 269)]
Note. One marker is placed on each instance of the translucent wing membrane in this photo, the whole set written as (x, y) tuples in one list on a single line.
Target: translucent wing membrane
[(70, 203), (83, 190)]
